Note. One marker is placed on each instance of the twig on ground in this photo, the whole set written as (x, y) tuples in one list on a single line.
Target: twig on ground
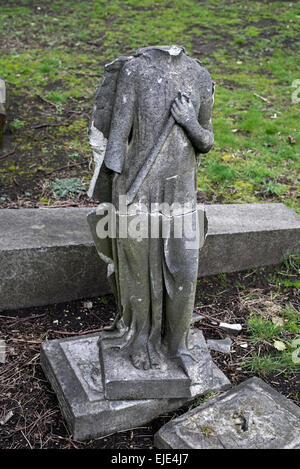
[(88, 74), (47, 101), (17, 320), (68, 166), (26, 439), (261, 97), (28, 341), (47, 413), (78, 333), (49, 124), (6, 155)]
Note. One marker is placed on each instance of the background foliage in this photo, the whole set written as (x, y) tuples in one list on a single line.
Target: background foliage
[(52, 55)]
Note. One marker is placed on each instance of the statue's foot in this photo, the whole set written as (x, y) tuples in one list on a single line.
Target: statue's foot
[(140, 358), (156, 362), (156, 359)]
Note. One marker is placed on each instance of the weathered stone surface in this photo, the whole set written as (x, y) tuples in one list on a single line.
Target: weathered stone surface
[(153, 275), (48, 256), (253, 415), (244, 236), (196, 318), (73, 369), (223, 346), (2, 108), (123, 381)]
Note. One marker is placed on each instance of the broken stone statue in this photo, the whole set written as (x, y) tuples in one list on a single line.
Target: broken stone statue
[(151, 120), (160, 122)]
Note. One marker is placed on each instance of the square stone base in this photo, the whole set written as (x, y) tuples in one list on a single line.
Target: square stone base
[(72, 366), (123, 381)]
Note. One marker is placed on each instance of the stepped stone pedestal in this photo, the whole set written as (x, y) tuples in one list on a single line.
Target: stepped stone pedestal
[(73, 368)]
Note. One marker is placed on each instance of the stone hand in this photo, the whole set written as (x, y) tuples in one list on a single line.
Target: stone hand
[(184, 112)]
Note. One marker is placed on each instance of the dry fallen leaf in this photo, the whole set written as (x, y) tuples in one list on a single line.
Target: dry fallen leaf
[(277, 321), (279, 345)]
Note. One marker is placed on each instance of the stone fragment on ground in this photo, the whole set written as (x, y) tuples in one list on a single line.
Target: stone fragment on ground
[(233, 329), (6, 417), (223, 345), (252, 415), (196, 318)]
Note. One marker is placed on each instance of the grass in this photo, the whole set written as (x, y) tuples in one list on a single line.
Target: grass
[(16, 124), (58, 49), (268, 363), (265, 301), (204, 398), (263, 329), (279, 333)]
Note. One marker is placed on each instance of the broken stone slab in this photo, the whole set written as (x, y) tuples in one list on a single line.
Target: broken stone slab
[(47, 255), (251, 416), (72, 366), (223, 345), (121, 380), (233, 329), (2, 108)]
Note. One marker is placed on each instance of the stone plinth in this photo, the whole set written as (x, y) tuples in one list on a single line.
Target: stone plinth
[(123, 381), (72, 366)]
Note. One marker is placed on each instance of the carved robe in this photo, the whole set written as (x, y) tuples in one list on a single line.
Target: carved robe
[(153, 278)]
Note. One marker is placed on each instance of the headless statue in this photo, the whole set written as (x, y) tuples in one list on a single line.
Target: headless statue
[(151, 120)]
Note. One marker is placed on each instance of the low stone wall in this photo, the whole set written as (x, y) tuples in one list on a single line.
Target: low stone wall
[(243, 236), (47, 255)]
